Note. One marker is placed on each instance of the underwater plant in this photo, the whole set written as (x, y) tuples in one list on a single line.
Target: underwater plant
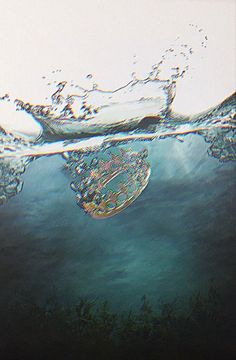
[(202, 328)]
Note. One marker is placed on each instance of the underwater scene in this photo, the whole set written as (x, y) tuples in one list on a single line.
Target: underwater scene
[(117, 221)]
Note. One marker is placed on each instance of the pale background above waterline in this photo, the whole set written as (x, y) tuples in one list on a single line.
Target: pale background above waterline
[(101, 37)]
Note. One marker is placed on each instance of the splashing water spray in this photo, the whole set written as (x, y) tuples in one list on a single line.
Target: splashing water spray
[(88, 126)]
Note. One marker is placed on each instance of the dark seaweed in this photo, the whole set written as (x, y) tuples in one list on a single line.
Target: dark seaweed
[(201, 329)]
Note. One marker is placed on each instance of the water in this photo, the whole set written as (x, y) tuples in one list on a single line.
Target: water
[(138, 111), (118, 196)]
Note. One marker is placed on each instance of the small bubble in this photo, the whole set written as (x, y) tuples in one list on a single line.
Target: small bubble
[(73, 186), (78, 197), (94, 161), (89, 76)]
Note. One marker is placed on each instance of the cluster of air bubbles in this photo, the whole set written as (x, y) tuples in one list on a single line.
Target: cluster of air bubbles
[(78, 164), (222, 140), (11, 168), (91, 175), (223, 145), (10, 181)]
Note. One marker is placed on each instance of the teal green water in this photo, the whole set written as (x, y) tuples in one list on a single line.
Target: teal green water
[(176, 238)]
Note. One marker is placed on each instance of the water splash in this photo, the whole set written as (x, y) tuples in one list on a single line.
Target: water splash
[(86, 125), (217, 126), (98, 111), (93, 110)]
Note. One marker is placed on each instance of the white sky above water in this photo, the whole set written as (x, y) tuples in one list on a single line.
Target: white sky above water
[(102, 36)]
